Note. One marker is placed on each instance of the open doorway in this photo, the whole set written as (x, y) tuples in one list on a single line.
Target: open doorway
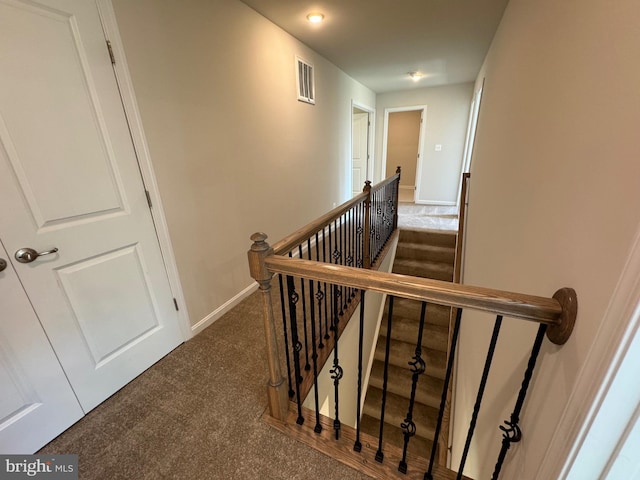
[(403, 147), (361, 161)]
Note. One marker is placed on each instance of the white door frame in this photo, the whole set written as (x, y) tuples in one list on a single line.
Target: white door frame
[(370, 139), (127, 93), (422, 135)]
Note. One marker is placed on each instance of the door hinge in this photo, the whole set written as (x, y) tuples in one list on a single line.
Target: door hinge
[(146, 192), (111, 55), (175, 303)]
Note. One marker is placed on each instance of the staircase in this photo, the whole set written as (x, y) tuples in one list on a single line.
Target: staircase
[(425, 254)]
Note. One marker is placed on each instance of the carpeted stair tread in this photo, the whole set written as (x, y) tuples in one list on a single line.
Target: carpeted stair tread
[(425, 252), (395, 412), (394, 436), (443, 239), (399, 381), (435, 337), (400, 353), (435, 270), (405, 308)]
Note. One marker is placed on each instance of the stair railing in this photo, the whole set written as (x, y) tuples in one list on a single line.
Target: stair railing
[(322, 274)]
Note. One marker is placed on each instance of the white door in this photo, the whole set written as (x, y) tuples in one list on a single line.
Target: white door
[(69, 180), (360, 144), (37, 402)]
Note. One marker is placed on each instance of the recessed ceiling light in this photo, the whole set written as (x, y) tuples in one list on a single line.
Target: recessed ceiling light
[(415, 76), (315, 17)]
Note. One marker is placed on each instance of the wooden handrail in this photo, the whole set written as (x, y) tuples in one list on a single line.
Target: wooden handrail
[(290, 241), (457, 270), (551, 311)]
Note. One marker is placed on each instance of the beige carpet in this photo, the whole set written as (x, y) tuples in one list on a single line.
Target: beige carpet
[(196, 415)]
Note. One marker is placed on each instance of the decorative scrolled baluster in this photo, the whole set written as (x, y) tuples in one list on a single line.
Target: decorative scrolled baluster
[(286, 337), (307, 365), (297, 345), (326, 305), (512, 433), (314, 349), (418, 367), (385, 375), (336, 372), (357, 446)]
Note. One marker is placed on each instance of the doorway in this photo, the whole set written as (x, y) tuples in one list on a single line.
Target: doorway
[(403, 147), (361, 141)]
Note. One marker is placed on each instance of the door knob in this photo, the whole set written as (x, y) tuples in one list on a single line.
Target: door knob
[(28, 255), (3, 264)]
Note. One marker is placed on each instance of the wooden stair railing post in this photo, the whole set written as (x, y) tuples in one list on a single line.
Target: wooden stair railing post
[(397, 196), (276, 387), (366, 234)]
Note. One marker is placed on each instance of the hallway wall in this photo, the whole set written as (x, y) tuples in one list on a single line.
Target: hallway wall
[(553, 202), (233, 150)]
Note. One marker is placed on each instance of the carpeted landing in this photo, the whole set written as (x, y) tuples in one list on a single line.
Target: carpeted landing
[(196, 415)]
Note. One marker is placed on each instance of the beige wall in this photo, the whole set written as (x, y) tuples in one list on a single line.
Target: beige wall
[(554, 195), (403, 137), (234, 152), (446, 124)]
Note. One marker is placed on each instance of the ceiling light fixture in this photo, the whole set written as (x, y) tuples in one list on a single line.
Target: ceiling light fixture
[(415, 76), (315, 17)]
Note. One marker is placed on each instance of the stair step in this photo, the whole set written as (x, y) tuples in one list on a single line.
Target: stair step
[(435, 337), (405, 308), (443, 239), (434, 270), (399, 381), (400, 353), (395, 412), (425, 252), (393, 435)]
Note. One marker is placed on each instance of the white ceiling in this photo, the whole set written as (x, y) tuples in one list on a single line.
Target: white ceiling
[(378, 42)]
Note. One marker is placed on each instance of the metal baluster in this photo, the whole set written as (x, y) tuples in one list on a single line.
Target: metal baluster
[(314, 351), (297, 346), (307, 366), (512, 433), (379, 454), (319, 296), (483, 384), (417, 368), (324, 259), (286, 336), (443, 399), (336, 372), (357, 446)]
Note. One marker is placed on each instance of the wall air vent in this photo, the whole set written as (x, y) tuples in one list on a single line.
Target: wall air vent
[(306, 84)]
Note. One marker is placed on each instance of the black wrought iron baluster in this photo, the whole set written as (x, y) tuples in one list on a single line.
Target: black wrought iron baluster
[(359, 236), (314, 350), (417, 368), (319, 295), (307, 365), (483, 384), (357, 446), (387, 350), (336, 372), (337, 258), (345, 251), (511, 433), (286, 336), (324, 259), (297, 346), (428, 475)]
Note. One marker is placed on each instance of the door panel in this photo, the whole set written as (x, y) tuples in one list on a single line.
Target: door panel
[(360, 154), (69, 179), (37, 402)]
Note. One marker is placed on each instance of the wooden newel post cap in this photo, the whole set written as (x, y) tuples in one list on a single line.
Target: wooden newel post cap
[(259, 250), (367, 186), (398, 169)]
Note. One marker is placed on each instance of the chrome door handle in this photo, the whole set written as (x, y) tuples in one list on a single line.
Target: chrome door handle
[(28, 255)]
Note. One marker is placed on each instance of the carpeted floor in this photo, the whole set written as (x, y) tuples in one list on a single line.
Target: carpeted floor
[(196, 415)]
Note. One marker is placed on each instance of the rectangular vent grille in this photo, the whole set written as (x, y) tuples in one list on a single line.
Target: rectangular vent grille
[(306, 85)]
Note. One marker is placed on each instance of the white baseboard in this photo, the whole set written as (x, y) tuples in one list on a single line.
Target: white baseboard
[(435, 202), (224, 308)]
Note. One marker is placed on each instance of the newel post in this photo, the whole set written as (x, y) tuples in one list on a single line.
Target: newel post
[(276, 387), (397, 196), (366, 234)]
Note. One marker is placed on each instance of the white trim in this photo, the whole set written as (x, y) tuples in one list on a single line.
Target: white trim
[(370, 140), (127, 93), (435, 202), (615, 334), (224, 308), (421, 137)]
